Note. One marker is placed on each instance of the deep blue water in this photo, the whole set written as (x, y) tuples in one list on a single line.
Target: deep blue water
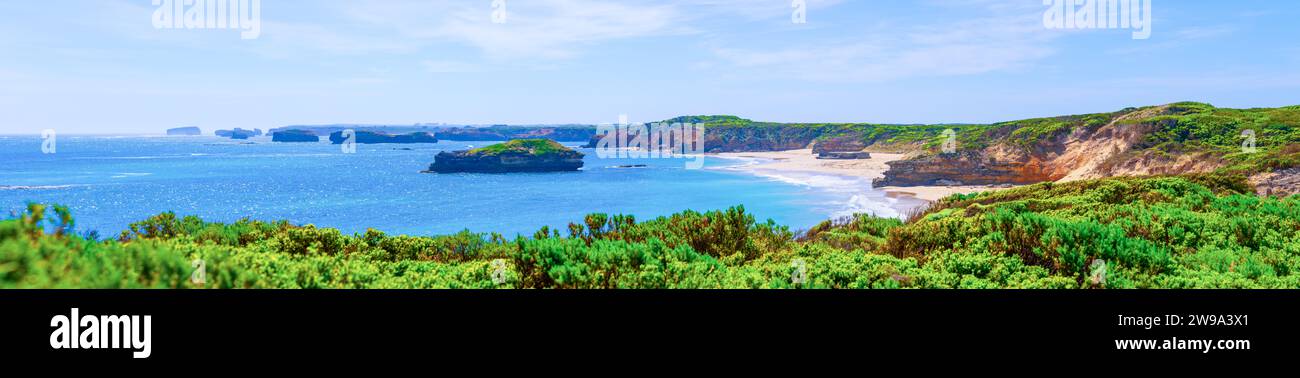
[(110, 182)]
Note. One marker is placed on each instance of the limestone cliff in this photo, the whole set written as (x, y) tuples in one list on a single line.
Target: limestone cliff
[(1173, 139)]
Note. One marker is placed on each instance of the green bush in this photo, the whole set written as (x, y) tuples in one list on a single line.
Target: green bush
[(1200, 231)]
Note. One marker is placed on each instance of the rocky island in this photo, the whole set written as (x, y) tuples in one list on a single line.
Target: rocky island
[(378, 137), (239, 133), (184, 131), (292, 136), (522, 155)]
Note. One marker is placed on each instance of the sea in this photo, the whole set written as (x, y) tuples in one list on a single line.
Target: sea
[(111, 181)]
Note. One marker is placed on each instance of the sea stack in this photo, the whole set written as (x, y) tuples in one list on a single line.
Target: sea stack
[(523, 155), (295, 136), (239, 133)]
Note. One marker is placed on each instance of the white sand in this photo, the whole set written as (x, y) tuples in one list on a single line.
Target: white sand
[(805, 161), (875, 167)]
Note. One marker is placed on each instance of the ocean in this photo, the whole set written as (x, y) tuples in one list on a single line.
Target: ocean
[(112, 181)]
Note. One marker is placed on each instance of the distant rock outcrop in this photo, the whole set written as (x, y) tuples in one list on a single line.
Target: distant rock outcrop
[(239, 133), (374, 137), (840, 143), (185, 131), (293, 136), (524, 155), (858, 155)]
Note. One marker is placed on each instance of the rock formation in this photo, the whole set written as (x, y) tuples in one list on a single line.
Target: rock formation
[(239, 133), (961, 168), (524, 155), (859, 155), (295, 136)]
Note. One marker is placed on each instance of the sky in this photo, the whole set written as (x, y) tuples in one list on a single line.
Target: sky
[(103, 67)]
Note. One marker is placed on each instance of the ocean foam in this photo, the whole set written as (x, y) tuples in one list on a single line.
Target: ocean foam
[(35, 187), (849, 195)]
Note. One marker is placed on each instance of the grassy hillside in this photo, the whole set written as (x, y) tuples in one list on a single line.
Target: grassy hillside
[(1191, 127), (1164, 232)]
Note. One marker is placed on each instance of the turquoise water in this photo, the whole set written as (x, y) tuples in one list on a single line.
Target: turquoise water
[(109, 182)]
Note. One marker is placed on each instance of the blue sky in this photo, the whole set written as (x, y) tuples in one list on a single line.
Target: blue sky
[(100, 66)]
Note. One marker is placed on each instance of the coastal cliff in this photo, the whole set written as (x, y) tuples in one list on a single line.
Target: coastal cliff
[(295, 136), (523, 155), (564, 133), (375, 137), (839, 143), (1174, 139), (957, 169)]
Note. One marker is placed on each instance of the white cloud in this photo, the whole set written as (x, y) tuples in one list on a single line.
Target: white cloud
[(449, 66), (536, 29), (976, 46), (1204, 32), (754, 9)]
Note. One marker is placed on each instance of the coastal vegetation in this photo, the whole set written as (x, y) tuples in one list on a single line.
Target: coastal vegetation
[(534, 147), (1191, 231)]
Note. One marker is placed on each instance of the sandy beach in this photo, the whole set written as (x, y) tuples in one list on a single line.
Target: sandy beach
[(805, 161)]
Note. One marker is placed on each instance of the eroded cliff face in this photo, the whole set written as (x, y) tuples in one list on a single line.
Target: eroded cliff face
[(1083, 153), (1281, 183), (843, 143), (961, 168)]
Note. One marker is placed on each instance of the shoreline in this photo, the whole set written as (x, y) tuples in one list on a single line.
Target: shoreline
[(804, 161)]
